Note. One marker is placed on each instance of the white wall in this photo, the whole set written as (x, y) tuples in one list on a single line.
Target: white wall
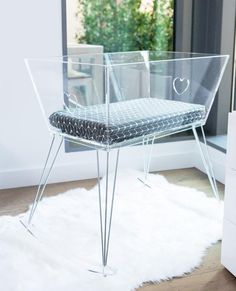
[(27, 29)]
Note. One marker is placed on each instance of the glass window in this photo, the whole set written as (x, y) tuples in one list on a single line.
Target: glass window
[(126, 25), (121, 25)]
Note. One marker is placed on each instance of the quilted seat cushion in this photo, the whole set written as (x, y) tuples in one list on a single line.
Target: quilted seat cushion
[(127, 119)]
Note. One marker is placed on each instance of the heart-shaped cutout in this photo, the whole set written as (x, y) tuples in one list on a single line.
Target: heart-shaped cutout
[(180, 85)]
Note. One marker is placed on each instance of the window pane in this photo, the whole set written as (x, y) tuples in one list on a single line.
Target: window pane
[(121, 25)]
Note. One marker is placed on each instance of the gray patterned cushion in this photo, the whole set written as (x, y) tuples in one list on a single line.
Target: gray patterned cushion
[(127, 119)]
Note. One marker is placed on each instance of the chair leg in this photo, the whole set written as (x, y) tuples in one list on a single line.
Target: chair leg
[(206, 161), (106, 203), (43, 179), (147, 159)]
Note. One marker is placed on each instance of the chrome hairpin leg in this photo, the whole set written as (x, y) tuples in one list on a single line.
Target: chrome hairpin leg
[(106, 203), (43, 179), (147, 158), (206, 161), (209, 160)]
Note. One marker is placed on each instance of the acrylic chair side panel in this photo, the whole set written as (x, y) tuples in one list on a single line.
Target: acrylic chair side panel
[(65, 84), (125, 85), (220, 69), (48, 83), (191, 80), (35, 88), (86, 77), (129, 80), (206, 75)]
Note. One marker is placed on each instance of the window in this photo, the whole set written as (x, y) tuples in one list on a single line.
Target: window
[(121, 25)]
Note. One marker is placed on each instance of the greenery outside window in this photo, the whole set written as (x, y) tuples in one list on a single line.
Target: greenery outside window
[(126, 25)]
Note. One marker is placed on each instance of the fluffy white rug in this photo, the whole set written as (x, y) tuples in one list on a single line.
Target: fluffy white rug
[(157, 233)]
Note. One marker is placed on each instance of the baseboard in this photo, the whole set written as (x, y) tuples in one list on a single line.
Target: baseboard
[(172, 155)]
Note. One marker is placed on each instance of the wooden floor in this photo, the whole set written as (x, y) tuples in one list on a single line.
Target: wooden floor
[(210, 276)]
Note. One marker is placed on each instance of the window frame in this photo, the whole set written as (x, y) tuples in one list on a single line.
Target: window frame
[(218, 16)]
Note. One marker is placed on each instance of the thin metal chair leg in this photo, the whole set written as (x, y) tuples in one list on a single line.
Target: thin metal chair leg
[(144, 143), (209, 159), (100, 206), (148, 159), (206, 165), (42, 175), (43, 182), (112, 204), (106, 207)]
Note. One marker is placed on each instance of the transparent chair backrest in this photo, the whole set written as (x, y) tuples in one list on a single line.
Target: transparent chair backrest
[(73, 82)]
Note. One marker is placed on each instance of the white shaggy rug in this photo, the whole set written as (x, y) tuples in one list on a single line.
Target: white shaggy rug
[(157, 234)]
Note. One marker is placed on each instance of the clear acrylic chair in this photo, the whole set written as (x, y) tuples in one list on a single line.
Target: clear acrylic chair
[(109, 101)]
